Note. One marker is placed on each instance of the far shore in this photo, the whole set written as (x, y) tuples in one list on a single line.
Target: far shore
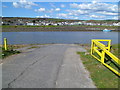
[(27, 45), (55, 28)]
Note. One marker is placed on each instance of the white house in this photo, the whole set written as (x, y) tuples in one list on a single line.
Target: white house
[(30, 24), (116, 24)]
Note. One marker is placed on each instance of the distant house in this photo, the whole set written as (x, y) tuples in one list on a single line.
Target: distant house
[(31, 24), (48, 24), (116, 24), (37, 24), (80, 23), (55, 24), (5, 23)]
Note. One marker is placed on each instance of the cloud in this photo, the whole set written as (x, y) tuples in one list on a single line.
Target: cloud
[(107, 13), (96, 9), (54, 8), (94, 2), (67, 16), (84, 10), (62, 5), (40, 10), (52, 5), (62, 15), (75, 17), (57, 9), (74, 5), (50, 11), (47, 10), (96, 16), (80, 6), (45, 16), (95, 6), (24, 4), (4, 6), (77, 12), (15, 4), (56, 17), (115, 18)]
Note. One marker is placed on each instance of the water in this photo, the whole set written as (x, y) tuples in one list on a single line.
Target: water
[(57, 37)]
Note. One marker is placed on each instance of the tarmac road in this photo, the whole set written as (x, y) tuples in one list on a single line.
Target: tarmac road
[(50, 66)]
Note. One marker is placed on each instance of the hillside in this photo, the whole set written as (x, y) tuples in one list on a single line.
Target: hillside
[(12, 19)]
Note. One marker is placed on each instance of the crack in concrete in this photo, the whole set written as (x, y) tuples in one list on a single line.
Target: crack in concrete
[(58, 71), (9, 84), (59, 68)]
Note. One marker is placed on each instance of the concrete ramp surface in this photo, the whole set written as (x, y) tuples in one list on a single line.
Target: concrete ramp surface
[(50, 66)]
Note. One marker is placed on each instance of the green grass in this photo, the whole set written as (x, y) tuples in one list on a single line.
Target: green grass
[(96, 26), (86, 26), (20, 26), (17, 46), (101, 75), (6, 53), (115, 50), (33, 47), (0, 52)]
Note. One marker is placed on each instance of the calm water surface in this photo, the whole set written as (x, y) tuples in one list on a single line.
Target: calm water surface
[(57, 37)]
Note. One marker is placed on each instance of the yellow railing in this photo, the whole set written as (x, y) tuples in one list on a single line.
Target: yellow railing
[(102, 51)]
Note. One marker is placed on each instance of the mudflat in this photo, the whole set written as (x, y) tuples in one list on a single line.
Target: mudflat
[(54, 28)]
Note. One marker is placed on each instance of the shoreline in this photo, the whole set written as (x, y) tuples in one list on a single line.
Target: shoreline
[(57, 28), (61, 31), (26, 45)]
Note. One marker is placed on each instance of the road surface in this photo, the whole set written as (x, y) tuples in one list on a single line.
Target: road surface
[(47, 66)]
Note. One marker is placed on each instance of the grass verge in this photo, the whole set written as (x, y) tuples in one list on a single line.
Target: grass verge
[(33, 47), (87, 26), (5, 53), (102, 76)]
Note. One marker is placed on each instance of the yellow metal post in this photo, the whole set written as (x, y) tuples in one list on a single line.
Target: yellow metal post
[(103, 57), (109, 44), (5, 43), (92, 47)]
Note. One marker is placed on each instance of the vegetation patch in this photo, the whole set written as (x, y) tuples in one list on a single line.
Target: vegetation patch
[(115, 50), (33, 47), (10, 26), (86, 26), (102, 76), (17, 46), (5, 53)]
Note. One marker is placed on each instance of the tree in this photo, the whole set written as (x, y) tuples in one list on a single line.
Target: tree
[(33, 21)]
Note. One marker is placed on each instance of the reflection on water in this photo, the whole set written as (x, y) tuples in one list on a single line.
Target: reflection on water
[(57, 37)]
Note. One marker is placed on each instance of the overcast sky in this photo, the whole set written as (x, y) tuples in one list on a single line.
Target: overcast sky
[(95, 10)]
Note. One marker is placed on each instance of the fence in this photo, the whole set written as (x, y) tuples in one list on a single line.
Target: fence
[(102, 53)]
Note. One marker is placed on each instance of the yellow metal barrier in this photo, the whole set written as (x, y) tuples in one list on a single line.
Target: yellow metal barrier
[(5, 43), (102, 50)]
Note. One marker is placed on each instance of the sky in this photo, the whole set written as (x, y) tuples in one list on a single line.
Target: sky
[(92, 10)]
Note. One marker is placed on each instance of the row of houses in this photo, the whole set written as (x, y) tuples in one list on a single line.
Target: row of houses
[(46, 23), (103, 24), (72, 23)]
